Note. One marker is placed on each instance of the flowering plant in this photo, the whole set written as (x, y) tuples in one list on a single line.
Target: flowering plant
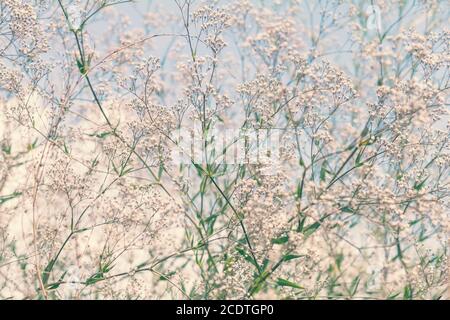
[(281, 149)]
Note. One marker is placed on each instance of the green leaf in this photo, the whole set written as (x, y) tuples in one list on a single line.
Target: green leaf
[(301, 224), (141, 265), (107, 267), (309, 230), (280, 240), (365, 131), (160, 171), (392, 296), (411, 223), (95, 278), (81, 67), (347, 209), (95, 162), (100, 135), (81, 230), (354, 285), (259, 282), (56, 285), (125, 171), (115, 168), (3, 199), (199, 168), (289, 257), (286, 283), (6, 149), (323, 171), (47, 270), (365, 142), (299, 191), (301, 162), (210, 221), (66, 149), (31, 146), (358, 162), (419, 186), (167, 276), (408, 293), (247, 257), (339, 258)]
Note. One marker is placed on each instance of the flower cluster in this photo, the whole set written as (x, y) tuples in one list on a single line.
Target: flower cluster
[(224, 149)]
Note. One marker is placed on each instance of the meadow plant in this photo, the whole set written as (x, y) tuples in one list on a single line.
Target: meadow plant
[(190, 149)]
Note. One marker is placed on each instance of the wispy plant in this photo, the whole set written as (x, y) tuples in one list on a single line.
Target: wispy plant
[(236, 150)]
